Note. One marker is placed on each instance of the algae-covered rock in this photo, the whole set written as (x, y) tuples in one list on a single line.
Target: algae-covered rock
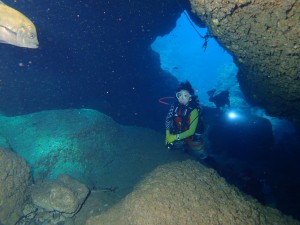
[(87, 145), (191, 194), (62, 142), (14, 182)]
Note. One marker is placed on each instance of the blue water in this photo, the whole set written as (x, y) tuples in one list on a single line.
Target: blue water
[(182, 54), (97, 54)]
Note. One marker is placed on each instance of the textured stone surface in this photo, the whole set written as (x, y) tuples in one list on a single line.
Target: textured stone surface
[(64, 195), (4, 143), (188, 193), (263, 37), (14, 182), (87, 145), (62, 141)]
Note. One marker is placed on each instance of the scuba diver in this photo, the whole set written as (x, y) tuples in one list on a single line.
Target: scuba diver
[(220, 100), (184, 125)]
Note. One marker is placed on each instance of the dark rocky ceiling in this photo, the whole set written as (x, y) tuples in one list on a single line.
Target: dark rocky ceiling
[(264, 39)]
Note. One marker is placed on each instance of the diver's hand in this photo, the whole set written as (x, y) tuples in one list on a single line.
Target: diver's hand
[(170, 139)]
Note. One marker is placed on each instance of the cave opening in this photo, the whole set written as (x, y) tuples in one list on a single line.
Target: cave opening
[(184, 56), (248, 146)]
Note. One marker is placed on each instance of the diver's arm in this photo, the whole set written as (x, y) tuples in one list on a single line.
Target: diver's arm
[(194, 118)]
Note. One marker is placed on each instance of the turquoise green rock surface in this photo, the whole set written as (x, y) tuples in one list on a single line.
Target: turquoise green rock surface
[(85, 144)]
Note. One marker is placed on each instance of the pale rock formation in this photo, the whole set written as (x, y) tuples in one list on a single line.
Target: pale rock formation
[(64, 195)]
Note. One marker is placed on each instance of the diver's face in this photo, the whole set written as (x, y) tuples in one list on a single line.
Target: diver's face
[(184, 97)]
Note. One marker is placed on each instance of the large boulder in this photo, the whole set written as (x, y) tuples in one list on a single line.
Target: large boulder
[(263, 36), (14, 182), (64, 195), (87, 145), (191, 194)]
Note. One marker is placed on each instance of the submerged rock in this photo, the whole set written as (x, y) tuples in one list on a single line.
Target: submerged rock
[(62, 142), (191, 194), (87, 145), (14, 186), (64, 195), (263, 37)]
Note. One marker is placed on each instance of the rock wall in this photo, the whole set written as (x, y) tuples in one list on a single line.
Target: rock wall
[(263, 37), (14, 182), (191, 194)]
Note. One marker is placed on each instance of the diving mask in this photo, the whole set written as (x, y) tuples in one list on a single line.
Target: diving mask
[(185, 95)]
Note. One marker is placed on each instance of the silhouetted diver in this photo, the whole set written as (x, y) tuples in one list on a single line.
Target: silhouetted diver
[(220, 100)]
